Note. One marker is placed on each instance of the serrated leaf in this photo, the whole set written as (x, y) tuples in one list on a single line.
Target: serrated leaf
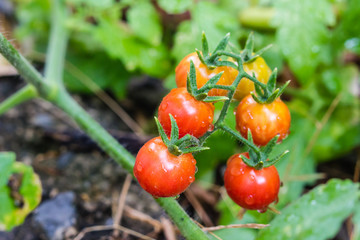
[(175, 6), (316, 215), (30, 191), (303, 35), (145, 22)]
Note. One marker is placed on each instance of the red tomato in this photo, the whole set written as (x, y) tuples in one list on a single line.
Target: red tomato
[(264, 120), (192, 116), (250, 188), (161, 173), (203, 74)]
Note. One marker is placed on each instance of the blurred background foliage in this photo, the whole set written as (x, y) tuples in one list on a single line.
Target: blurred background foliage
[(316, 44)]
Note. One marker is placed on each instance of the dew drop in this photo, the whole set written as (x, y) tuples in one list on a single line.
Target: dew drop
[(191, 179), (139, 168), (211, 127), (250, 200), (263, 210), (235, 171)]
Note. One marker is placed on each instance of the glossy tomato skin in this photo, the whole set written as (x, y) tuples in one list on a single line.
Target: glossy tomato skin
[(262, 73), (250, 188), (192, 116), (264, 120), (203, 74), (161, 173)]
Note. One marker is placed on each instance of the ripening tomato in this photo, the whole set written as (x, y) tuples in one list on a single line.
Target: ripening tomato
[(265, 121), (203, 74), (250, 188), (192, 116), (262, 73), (161, 173)]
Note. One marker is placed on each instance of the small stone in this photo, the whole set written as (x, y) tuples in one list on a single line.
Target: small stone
[(53, 217)]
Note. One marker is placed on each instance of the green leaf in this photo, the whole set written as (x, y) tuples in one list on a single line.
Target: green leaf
[(30, 192), (174, 6), (83, 69), (356, 221), (303, 34), (145, 22), (207, 17), (316, 215), (121, 44), (7, 159)]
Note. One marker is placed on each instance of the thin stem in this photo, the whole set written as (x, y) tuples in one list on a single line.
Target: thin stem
[(45, 89), (240, 138), (24, 94), (57, 43), (180, 218)]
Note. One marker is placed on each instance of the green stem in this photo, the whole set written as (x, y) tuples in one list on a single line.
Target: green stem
[(239, 137), (58, 95), (26, 93), (26, 70), (57, 43), (179, 216), (257, 17)]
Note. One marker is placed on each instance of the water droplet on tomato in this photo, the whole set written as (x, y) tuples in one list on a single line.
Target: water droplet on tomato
[(191, 179), (263, 210), (211, 127), (139, 168), (236, 171), (249, 200), (203, 124)]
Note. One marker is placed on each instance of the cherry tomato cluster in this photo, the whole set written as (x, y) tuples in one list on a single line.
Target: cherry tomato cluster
[(162, 167)]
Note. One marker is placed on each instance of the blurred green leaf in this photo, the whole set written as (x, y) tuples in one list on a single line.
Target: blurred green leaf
[(119, 43), (145, 22), (207, 17), (316, 215), (356, 221), (347, 32), (302, 34), (84, 69), (12, 215), (175, 6)]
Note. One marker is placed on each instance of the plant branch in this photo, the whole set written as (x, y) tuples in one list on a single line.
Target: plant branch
[(56, 52), (26, 93)]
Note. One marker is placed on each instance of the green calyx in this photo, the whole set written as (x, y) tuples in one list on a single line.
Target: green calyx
[(267, 93), (201, 94), (259, 158), (176, 146)]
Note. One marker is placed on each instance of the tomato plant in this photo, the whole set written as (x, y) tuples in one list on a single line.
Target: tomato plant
[(265, 121), (161, 173), (192, 116), (248, 187), (203, 74)]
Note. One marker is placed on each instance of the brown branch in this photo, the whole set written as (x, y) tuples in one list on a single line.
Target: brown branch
[(247, 225), (106, 227), (168, 229), (198, 208), (121, 203)]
